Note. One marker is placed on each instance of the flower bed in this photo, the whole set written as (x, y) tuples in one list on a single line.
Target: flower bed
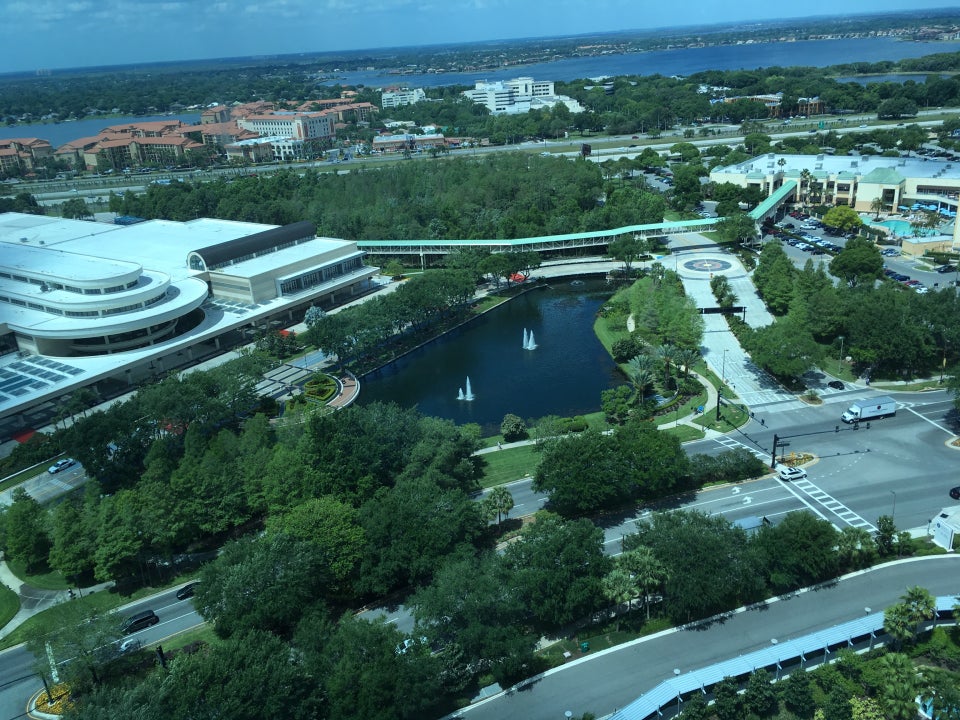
[(60, 702), (320, 387)]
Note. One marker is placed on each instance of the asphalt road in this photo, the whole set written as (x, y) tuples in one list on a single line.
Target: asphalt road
[(18, 676), (900, 466), (44, 487), (614, 678)]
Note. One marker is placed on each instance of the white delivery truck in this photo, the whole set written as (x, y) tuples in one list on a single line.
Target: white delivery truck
[(871, 409)]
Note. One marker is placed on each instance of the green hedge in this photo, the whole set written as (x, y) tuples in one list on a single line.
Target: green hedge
[(320, 387)]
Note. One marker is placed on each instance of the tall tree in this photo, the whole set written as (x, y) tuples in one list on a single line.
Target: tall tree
[(25, 523), (556, 567)]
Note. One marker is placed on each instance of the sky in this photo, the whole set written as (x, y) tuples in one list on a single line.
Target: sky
[(52, 34)]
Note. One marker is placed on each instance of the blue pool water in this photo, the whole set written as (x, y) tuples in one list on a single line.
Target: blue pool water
[(901, 228)]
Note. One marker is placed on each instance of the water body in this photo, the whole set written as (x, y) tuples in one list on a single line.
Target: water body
[(60, 133), (681, 61), (894, 78), (564, 375)]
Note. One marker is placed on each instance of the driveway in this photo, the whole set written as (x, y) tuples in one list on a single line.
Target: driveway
[(611, 679)]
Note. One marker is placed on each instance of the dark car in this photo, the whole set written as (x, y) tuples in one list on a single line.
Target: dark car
[(946, 269), (139, 621), (187, 590), (955, 493), (835, 384)]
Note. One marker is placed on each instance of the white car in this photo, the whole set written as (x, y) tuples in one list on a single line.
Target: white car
[(61, 465), (791, 473)]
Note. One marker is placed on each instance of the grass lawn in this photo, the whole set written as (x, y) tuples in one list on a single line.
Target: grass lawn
[(508, 465), (917, 386), (49, 580), (605, 335), (616, 632), (685, 433), (9, 604), (204, 634)]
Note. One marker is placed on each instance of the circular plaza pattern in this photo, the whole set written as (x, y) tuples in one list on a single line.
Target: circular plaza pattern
[(707, 266)]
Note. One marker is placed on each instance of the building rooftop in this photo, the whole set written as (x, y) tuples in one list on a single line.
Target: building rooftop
[(912, 166)]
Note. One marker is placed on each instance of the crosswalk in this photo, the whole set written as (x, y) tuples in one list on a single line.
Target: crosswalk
[(830, 503), (729, 443), (814, 494)]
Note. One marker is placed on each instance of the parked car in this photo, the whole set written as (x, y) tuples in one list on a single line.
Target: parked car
[(61, 465), (943, 269), (836, 385), (955, 492)]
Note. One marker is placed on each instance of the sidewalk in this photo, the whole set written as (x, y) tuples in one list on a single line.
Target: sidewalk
[(34, 600)]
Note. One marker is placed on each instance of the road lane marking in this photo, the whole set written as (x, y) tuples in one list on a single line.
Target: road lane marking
[(834, 506), (926, 419)]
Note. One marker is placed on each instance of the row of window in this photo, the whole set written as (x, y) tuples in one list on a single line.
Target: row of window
[(320, 276), (259, 253), (83, 313), (43, 284)]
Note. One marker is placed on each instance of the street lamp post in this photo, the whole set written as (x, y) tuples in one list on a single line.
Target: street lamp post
[(840, 359), (943, 365), (893, 515)]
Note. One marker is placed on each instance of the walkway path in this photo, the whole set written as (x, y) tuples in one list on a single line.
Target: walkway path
[(34, 600), (721, 349)]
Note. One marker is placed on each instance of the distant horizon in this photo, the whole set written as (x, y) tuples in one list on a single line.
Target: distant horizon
[(292, 28)]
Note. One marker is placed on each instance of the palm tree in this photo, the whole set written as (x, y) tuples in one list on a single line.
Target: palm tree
[(876, 205), (898, 624), (641, 372), (921, 606), (667, 354), (502, 501), (804, 185), (939, 690), (648, 573), (899, 689), (686, 358)]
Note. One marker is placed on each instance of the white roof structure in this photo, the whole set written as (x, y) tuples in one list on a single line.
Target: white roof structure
[(86, 301)]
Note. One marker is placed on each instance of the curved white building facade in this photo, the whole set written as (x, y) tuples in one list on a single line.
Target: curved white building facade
[(84, 302)]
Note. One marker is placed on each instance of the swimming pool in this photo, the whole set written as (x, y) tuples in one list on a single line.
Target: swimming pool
[(901, 228)]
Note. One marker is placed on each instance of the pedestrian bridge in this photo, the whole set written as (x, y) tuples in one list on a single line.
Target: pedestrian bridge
[(571, 241)]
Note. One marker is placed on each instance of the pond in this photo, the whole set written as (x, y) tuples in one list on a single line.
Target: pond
[(563, 374)]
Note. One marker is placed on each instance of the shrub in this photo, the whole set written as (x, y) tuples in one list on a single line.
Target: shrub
[(513, 428), (576, 424), (626, 348), (728, 466)]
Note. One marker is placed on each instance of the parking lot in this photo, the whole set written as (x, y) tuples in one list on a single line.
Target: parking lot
[(804, 237)]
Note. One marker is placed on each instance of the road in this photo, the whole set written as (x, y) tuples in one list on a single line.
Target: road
[(612, 679), (44, 487), (19, 680), (901, 466)]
